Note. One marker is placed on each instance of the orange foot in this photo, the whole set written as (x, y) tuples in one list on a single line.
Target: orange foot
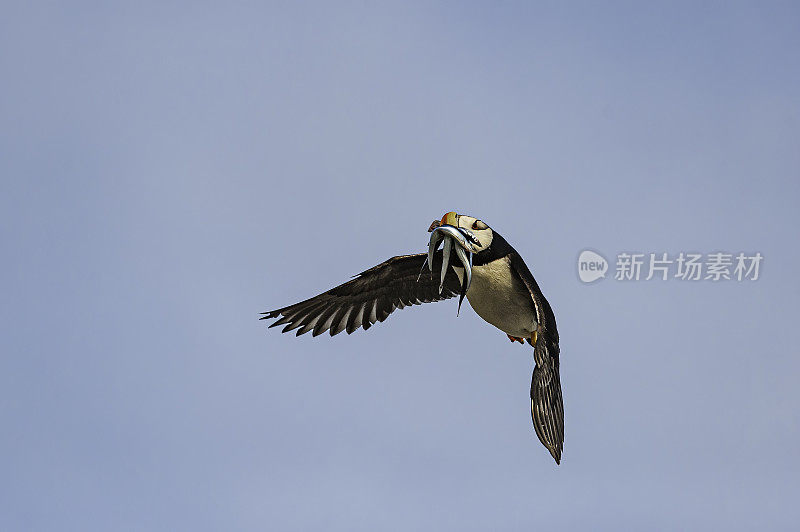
[(515, 339)]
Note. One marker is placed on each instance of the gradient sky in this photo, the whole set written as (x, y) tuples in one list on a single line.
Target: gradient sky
[(171, 169)]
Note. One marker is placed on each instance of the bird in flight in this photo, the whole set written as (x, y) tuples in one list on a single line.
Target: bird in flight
[(490, 273)]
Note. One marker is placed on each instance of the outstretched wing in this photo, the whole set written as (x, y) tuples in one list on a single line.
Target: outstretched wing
[(547, 405), (369, 297)]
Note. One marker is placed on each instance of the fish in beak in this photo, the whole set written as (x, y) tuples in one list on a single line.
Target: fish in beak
[(454, 239)]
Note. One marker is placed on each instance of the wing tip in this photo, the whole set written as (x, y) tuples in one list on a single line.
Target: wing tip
[(556, 454), (271, 315)]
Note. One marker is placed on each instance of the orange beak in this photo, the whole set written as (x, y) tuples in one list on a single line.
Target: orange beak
[(451, 218)]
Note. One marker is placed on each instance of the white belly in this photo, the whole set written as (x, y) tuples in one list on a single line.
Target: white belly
[(501, 299)]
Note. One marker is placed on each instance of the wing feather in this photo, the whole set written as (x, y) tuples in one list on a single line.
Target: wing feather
[(340, 321), (324, 321), (368, 298), (354, 321)]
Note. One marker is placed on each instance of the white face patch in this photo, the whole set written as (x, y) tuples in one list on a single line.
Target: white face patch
[(478, 229)]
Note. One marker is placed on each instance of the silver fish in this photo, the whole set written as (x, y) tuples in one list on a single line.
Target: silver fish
[(448, 245), (436, 237), (464, 251), (422, 269), (454, 232), (466, 261)]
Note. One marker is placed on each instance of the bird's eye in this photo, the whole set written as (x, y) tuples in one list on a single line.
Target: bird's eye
[(478, 225)]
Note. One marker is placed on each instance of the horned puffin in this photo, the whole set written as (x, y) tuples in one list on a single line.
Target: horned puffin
[(495, 280)]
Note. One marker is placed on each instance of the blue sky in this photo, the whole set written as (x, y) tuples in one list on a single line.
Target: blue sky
[(170, 170)]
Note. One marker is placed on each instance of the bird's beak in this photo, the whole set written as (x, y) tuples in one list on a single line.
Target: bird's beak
[(451, 218)]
